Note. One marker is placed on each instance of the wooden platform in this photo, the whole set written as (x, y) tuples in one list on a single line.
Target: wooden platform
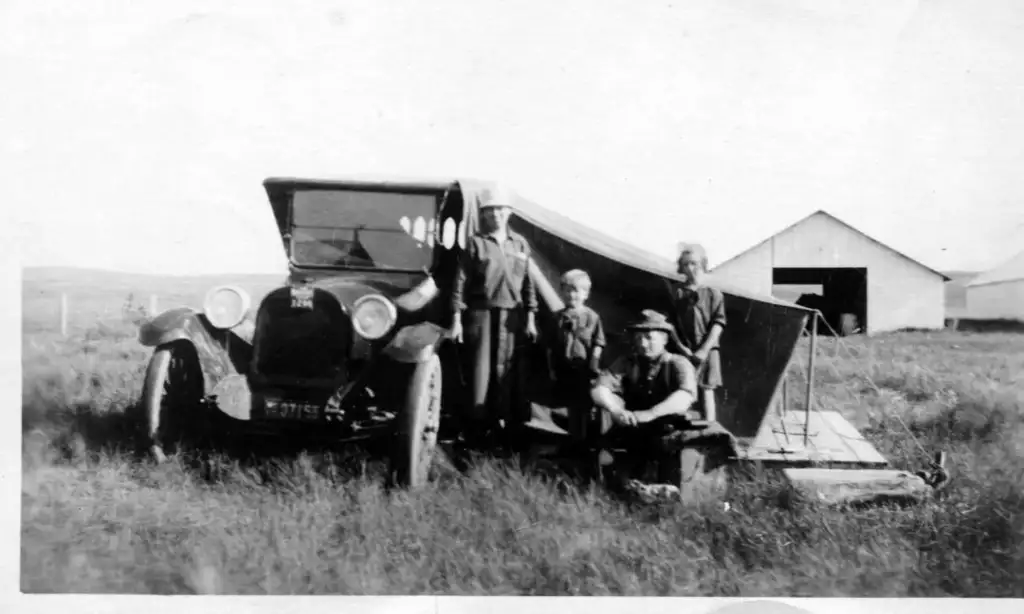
[(830, 440)]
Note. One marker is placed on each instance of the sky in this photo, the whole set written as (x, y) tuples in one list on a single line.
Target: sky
[(134, 135)]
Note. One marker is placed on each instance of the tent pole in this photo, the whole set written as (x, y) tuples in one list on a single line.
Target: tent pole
[(785, 405), (785, 391), (810, 376)]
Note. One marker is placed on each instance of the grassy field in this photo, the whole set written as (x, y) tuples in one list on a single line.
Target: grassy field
[(96, 519)]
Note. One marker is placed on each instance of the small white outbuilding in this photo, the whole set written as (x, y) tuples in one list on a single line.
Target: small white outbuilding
[(998, 294), (866, 285)]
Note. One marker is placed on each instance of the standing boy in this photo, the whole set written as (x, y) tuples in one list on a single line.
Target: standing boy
[(701, 322), (575, 351)]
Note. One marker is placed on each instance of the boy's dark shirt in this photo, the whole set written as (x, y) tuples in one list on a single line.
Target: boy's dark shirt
[(576, 333)]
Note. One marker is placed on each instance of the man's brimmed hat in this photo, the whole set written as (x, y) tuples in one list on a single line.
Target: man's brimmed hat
[(496, 196), (652, 320)]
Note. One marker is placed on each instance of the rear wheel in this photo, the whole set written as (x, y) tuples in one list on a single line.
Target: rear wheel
[(417, 425), (171, 398)]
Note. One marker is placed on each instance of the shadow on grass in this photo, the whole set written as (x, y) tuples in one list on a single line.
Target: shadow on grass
[(78, 431), (987, 326), (223, 453), (53, 432)]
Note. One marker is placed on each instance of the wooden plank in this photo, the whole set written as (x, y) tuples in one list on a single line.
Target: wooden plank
[(861, 447), (830, 440), (831, 436), (804, 428), (859, 486), (772, 435), (774, 455), (774, 431), (771, 445)]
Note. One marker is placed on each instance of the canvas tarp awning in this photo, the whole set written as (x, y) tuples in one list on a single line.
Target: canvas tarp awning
[(758, 342)]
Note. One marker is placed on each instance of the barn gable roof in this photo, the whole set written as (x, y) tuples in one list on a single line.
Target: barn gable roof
[(1011, 270), (822, 212)]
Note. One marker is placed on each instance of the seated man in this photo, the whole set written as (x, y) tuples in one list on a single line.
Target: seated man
[(646, 396)]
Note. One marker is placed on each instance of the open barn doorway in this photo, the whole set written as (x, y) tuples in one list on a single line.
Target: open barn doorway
[(842, 299)]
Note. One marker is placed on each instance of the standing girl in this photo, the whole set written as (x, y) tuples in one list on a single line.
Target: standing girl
[(701, 322)]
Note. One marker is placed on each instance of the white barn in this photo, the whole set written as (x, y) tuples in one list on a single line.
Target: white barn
[(882, 289), (998, 294)]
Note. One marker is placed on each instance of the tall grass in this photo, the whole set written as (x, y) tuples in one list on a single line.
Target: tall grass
[(96, 518)]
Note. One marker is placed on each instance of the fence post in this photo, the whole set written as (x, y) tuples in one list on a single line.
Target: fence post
[(152, 305), (64, 314)]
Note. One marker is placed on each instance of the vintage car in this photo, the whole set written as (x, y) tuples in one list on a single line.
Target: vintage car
[(354, 344), (347, 348)]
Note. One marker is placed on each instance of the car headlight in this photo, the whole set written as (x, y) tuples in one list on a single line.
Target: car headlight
[(373, 316), (226, 306)]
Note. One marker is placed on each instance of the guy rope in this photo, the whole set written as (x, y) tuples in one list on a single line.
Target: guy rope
[(938, 475)]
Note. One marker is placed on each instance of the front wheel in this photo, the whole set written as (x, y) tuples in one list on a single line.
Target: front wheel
[(171, 396), (418, 421)]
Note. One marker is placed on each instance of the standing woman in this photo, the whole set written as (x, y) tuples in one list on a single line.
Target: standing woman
[(494, 303), (701, 322)]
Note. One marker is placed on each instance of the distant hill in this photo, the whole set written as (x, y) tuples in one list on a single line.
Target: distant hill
[(54, 280), (96, 294), (99, 282)]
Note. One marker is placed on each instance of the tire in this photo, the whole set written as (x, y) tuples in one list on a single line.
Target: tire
[(419, 419), (171, 396)]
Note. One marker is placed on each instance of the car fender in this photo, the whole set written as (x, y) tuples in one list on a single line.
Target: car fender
[(221, 353), (166, 327), (415, 343)]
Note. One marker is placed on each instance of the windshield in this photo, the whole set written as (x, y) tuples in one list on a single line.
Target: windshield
[(383, 230)]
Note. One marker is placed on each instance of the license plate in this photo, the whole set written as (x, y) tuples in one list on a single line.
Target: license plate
[(302, 298), (292, 410)]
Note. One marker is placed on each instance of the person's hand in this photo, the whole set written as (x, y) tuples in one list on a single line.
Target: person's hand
[(531, 330), (643, 416), (456, 331), (622, 417)]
